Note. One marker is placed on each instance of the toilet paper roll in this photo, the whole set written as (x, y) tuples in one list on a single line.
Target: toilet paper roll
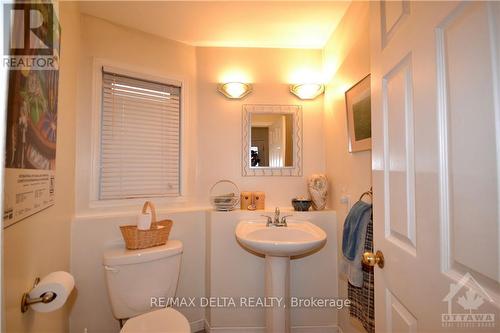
[(61, 283), (144, 221)]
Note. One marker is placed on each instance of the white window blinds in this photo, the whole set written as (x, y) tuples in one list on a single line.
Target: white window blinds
[(140, 138)]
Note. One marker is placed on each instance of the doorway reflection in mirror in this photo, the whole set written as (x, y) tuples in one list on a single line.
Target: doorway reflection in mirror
[(271, 140)]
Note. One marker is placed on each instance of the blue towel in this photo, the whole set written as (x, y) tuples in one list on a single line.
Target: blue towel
[(355, 229)]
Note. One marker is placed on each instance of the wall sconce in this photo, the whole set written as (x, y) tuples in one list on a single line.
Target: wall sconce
[(307, 90), (234, 90)]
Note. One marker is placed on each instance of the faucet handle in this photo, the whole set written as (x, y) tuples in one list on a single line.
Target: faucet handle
[(283, 219), (269, 219)]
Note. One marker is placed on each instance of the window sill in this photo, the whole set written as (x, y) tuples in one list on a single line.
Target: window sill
[(136, 202)]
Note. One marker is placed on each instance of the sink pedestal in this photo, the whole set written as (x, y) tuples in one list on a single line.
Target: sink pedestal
[(278, 289), (278, 244)]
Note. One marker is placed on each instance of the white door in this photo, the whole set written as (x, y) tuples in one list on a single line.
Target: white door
[(436, 147), (277, 143)]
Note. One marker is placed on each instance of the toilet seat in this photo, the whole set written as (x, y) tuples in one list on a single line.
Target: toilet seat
[(165, 320)]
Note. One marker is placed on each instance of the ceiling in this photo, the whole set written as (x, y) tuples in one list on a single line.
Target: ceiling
[(273, 24)]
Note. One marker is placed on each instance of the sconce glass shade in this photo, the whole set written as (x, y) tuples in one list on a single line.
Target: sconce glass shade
[(307, 90), (234, 90)]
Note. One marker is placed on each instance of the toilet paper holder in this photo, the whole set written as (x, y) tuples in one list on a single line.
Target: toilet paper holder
[(46, 297)]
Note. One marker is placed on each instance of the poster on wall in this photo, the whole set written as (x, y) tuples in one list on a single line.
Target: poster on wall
[(31, 134)]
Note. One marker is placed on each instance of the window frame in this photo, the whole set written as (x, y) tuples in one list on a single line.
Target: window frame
[(98, 66)]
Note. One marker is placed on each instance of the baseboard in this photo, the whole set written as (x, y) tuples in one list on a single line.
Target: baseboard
[(295, 329), (198, 325), (316, 329), (235, 329)]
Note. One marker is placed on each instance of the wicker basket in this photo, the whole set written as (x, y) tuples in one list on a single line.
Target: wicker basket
[(140, 239)]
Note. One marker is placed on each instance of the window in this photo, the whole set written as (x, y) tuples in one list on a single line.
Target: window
[(140, 138)]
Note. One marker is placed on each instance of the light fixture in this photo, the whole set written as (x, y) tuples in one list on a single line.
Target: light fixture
[(234, 90), (307, 90)]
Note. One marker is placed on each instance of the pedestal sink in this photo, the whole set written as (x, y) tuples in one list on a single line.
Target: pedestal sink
[(278, 244)]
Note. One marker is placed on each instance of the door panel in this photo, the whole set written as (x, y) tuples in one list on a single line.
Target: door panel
[(399, 180), (399, 318), (470, 114), (392, 14), (276, 143)]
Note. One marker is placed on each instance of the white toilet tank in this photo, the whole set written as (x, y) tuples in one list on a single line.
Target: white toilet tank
[(135, 276)]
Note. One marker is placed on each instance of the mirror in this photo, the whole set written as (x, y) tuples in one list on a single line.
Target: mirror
[(272, 140)]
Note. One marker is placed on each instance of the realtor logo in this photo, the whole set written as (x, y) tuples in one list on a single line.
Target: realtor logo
[(469, 296), (31, 36)]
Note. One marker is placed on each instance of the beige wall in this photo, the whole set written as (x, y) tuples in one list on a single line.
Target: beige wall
[(40, 244), (219, 131), (346, 60), (219, 125), (141, 53), (136, 52)]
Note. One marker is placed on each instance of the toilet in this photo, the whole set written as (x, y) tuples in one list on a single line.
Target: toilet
[(135, 276)]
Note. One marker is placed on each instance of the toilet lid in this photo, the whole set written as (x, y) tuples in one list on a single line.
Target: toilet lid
[(165, 320)]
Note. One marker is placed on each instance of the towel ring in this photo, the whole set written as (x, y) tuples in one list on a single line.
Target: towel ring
[(368, 193)]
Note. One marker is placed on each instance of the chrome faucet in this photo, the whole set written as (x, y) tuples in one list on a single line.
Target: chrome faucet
[(276, 222), (276, 215)]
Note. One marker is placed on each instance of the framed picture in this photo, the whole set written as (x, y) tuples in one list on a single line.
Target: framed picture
[(359, 124)]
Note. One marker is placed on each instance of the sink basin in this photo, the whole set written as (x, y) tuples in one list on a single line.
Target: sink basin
[(299, 237)]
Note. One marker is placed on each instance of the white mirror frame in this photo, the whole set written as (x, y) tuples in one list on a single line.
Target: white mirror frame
[(292, 171)]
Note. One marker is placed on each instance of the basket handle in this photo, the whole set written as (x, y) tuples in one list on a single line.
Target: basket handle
[(152, 208), (226, 181)]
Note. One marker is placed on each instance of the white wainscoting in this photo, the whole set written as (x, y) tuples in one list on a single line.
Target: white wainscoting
[(235, 272), (295, 329), (213, 264), (91, 235)]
